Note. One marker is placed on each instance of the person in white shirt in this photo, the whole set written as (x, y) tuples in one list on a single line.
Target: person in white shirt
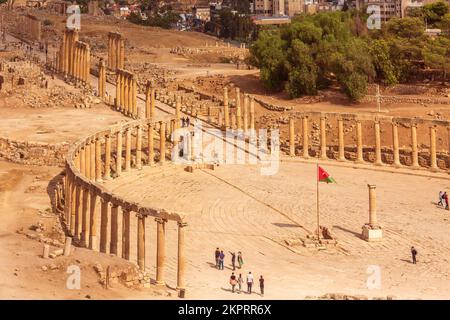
[(249, 283)]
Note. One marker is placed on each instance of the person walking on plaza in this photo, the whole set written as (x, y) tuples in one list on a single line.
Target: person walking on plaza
[(441, 198), (240, 260), (221, 260), (261, 285), (217, 255), (445, 196), (233, 281), (233, 260), (249, 283), (414, 254), (240, 281)]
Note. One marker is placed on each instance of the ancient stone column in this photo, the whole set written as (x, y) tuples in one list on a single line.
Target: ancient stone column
[(305, 137), (122, 54), (127, 149), (291, 137), (134, 97), (119, 153), (378, 161), (139, 147), (359, 144), (83, 160), (415, 152), (73, 210), (162, 142), (88, 63), (252, 113), (148, 101), (323, 138), (160, 251), (372, 205), (93, 221), (114, 229), (102, 79), (152, 102), (98, 159), (141, 241), (238, 110), (433, 158), (88, 160), (150, 151), (107, 174), (126, 94), (84, 217), (79, 211), (226, 109), (341, 140), (109, 51), (395, 145), (93, 168), (118, 91), (181, 258), (104, 222), (65, 53), (245, 117), (123, 97), (126, 234)]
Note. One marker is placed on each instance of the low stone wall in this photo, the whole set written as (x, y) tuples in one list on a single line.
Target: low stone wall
[(33, 153), (272, 107), (406, 99)]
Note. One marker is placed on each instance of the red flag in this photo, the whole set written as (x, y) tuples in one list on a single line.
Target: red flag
[(323, 176)]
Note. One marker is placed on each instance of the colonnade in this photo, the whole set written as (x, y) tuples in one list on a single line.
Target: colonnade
[(116, 51), (74, 58), (100, 220), (126, 93), (30, 26), (243, 119), (341, 147)]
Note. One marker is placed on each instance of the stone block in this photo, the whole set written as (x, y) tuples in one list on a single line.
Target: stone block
[(369, 234)]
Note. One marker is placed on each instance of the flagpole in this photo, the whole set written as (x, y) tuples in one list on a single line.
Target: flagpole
[(317, 192)]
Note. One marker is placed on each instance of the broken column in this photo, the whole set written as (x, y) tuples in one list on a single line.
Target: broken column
[(372, 231)]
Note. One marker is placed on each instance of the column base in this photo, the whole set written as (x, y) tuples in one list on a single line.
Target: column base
[(397, 165), (371, 234), (434, 169), (360, 161), (415, 167), (93, 242), (341, 159), (107, 177), (378, 164)]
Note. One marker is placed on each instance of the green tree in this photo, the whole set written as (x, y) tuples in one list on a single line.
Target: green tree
[(406, 27)]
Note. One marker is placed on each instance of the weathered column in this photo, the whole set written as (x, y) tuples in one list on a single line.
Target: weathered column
[(148, 101), (341, 140), (359, 144), (378, 161), (226, 109), (433, 158), (246, 103), (141, 241), (252, 113), (150, 151), (126, 94), (118, 90), (102, 79), (162, 142), (291, 137), (87, 163), (323, 138), (73, 210), (84, 217), (93, 169), (139, 147), (98, 159), (107, 174), (104, 221), (122, 54), (160, 251), (181, 258), (83, 160), (134, 97), (114, 229), (152, 102), (305, 137), (415, 152), (123, 98), (93, 221), (238, 110), (79, 211), (126, 234), (119, 153), (395, 145), (127, 149), (372, 231), (109, 51)]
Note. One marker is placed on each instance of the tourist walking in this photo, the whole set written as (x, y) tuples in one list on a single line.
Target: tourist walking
[(217, 255), (240, 281), (240, 260), (414, 254), (221, 260), (233, 281), (261, 285), (441, 198), (445, 196), (249, 283), (233, 260)]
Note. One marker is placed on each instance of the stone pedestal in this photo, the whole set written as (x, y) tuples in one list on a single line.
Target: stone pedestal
[(371, 234)]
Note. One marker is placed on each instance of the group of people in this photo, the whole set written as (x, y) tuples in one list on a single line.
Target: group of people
[(443, 199), (219, 256), (220, 259), (185, 122)]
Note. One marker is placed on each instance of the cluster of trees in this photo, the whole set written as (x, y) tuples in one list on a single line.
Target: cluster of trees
[(316, 51)]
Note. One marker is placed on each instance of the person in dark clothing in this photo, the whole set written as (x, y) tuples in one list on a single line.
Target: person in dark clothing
[(183, 122), (221, 260), (233, 260), (233, 282), (216, 255), (261, 285), (188, 122), (445, 196), (414, 254)]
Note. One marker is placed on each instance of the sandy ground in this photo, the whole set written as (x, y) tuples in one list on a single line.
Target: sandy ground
[(237, 209)]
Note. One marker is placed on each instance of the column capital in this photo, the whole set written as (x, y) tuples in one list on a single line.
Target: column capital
[(160, 220), (371, 186), (182, 224)]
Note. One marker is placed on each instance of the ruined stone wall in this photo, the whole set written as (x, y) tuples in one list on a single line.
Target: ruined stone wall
[(33, 153)]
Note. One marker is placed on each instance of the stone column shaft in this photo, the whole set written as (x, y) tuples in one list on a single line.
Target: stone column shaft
[(126, 234), (359, 144), (341, 140), (372, 206), (377, 144), (226, 109), (162, 142), (291, 137), (139, 147), (119, 153), (151, 147), (415, 152), (141, 242), (323, 138), (181, 258), (107, 174), (127, 149), (433, 157), (104, 222), (305, 137), (98, 159), (395, 144), (160, 251)]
